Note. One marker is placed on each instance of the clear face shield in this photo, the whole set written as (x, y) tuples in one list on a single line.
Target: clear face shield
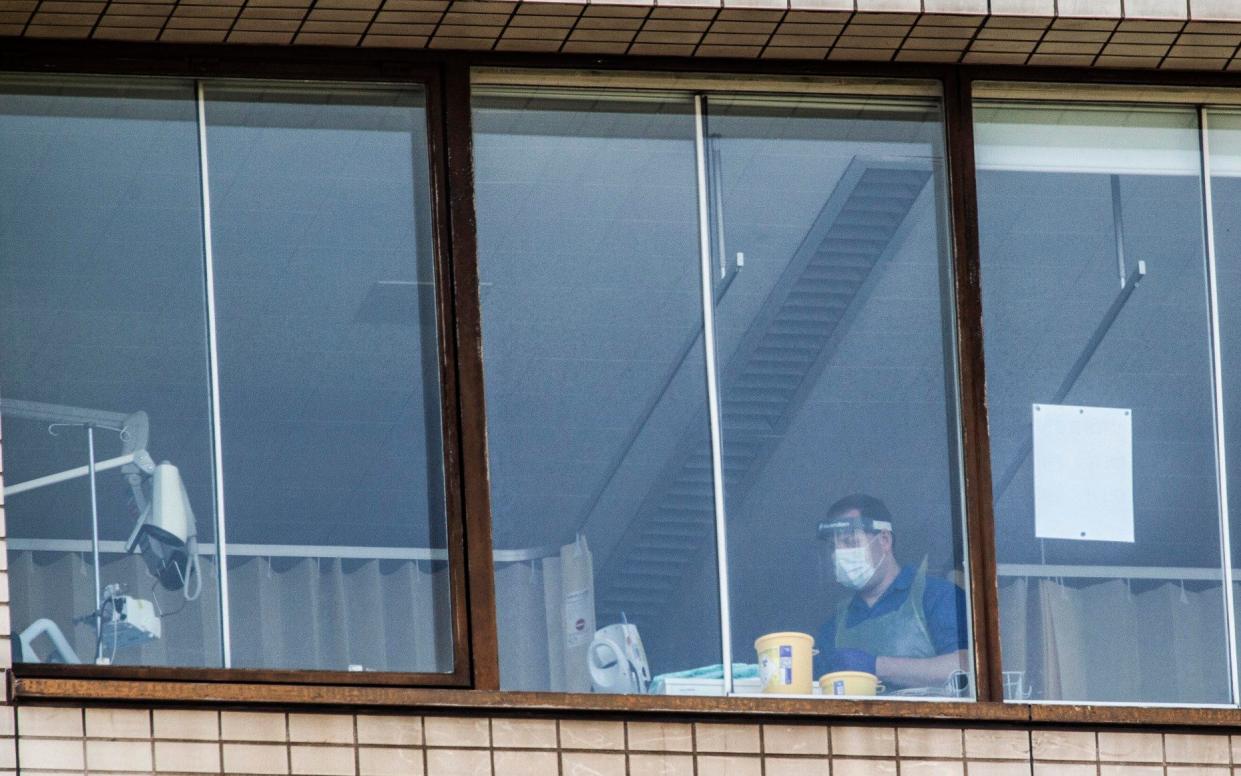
[(853, 535)]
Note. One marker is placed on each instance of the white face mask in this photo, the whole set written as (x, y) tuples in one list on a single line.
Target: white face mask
[(853, 567)]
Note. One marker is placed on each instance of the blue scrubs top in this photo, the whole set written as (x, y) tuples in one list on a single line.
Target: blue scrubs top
[(942, 602)]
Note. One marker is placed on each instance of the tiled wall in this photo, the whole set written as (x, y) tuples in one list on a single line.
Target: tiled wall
[(52, 740), (1153, 34)]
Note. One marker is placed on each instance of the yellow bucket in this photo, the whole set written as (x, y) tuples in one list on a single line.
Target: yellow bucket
[(784, 662), (850, 683)]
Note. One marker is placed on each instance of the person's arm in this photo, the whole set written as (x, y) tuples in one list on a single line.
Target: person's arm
[(920, 671)]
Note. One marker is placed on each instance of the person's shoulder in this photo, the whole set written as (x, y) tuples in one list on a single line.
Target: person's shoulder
[(938, 588)]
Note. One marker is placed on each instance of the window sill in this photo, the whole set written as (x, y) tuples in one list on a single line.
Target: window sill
[(43, 690)]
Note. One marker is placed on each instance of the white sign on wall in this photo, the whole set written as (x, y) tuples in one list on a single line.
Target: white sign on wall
[(1083, 473)]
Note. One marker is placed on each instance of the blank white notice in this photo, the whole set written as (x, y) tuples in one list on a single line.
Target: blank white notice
[(1083, 473)]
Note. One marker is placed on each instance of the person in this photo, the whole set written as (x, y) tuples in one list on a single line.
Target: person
[(901, 625)]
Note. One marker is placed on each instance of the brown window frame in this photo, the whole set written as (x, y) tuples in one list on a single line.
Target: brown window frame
[(474, 684)]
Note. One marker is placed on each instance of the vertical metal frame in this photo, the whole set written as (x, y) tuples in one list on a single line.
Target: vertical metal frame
[(976, 443), (1217, 396), (213, 367), (713, 388), (459, 261)]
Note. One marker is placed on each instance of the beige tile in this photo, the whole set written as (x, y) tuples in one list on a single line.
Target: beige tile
[(660, 765), (194, 725), (592, 764), (1195, 748), (732, 739), (1064, 769), (1131, 770), (1014, 768), (1227, 10), (116, 755), (730, 765), (519, 763), (8, 754), (256, 758), (1024, 7), (389, 761), (394, 730), (252, 726), (660, 737), (187, 757), (796, 766), (322, 760), (795, 739), (1156, 9), (591, 734), (523, 733), (456, 731), (932, 768), (458, 762), (865, 741), (956, 6), (49, 721), (1194, 770), (8, 720), (1088, 8), (846, 766), (1063, 745), (1130, 747), (929, 742), (50, 754), (118, 723), (321, 728)]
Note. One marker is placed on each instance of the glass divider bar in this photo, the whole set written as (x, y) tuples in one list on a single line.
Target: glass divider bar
[(713, 392), (1218, 391), (213, 359)]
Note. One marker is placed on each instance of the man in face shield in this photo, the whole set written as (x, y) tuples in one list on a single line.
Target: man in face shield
[(901, 625)]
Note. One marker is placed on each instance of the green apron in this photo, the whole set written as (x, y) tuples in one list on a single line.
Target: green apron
[(899, 633)]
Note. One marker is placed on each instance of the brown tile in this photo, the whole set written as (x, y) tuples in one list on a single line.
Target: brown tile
[(394, 41), (187, 757), (389, 761), (456, 731), (591, 764), (864, 741)]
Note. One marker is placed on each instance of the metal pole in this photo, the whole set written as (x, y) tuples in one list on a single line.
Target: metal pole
[(1217, 375), (713, 393), (94, 541), (213, 358)]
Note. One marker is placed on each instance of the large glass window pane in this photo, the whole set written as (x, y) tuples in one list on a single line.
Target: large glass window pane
[(1099, 392), (329, 390), (596, 394), (833, 321), (103, 335), (1224, 144)]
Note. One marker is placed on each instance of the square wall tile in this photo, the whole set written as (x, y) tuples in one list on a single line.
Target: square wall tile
[(1224, 10), (187, 757), (1196, 749), (848, 766), (323, 760), (929, 742), (1130, 747), (523, 733), (458, 762), (49, 721), (321, 728), (1157, 9), (456, 731), (978, 768), (252, 726), (523, 763), (733, 739), (660, 765), (795, 739), (660, 737), (592, 764), (730, 765), (797, 766), (256, 758), (389, 761), (864, 741), (50, 754), (393, 730), (102, 755), (1024, 7), (118, 723), (190, 725), (1063, 745)]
